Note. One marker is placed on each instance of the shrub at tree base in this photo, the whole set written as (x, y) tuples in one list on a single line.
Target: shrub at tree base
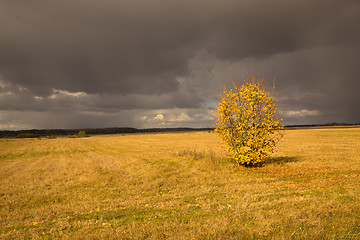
[(247, 123)]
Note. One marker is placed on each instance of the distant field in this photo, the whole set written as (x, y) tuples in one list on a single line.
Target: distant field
[(180, 186)]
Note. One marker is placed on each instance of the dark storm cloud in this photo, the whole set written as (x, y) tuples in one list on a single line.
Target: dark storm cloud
[(89, 46), (141, 46), (162, 54)]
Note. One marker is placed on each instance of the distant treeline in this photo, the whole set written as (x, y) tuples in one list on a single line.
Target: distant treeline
[(38, 133), (320, 125)]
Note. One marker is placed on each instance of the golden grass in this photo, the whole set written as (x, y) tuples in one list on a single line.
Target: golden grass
[(180, 186)]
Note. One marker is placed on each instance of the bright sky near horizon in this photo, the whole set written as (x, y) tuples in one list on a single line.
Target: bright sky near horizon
[(160, 63)]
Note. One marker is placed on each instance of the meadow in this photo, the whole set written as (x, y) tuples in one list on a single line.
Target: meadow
[(180, 186)]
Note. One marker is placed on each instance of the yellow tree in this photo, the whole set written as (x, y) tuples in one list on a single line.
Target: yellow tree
[(247, 122)]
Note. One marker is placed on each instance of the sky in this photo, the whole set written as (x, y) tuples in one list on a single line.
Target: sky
[(161, 63)]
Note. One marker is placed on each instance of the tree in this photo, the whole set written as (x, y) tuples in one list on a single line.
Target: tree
[(82, 133), (247, 122)]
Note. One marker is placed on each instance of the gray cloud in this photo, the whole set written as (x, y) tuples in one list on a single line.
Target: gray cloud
[(321, 79), (143, 55), (21, 99)]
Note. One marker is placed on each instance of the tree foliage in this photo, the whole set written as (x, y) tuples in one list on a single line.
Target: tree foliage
[(247, 122)]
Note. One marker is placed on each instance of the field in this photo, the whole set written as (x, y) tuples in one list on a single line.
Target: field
[(180, 186)]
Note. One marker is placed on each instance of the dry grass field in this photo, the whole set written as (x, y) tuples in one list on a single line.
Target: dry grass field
[(179, 186)]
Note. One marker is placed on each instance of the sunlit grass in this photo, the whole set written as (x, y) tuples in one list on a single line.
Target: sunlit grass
[(180, 186)]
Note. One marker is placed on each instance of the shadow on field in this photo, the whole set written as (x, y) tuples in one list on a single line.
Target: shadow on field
[(280, 160)]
